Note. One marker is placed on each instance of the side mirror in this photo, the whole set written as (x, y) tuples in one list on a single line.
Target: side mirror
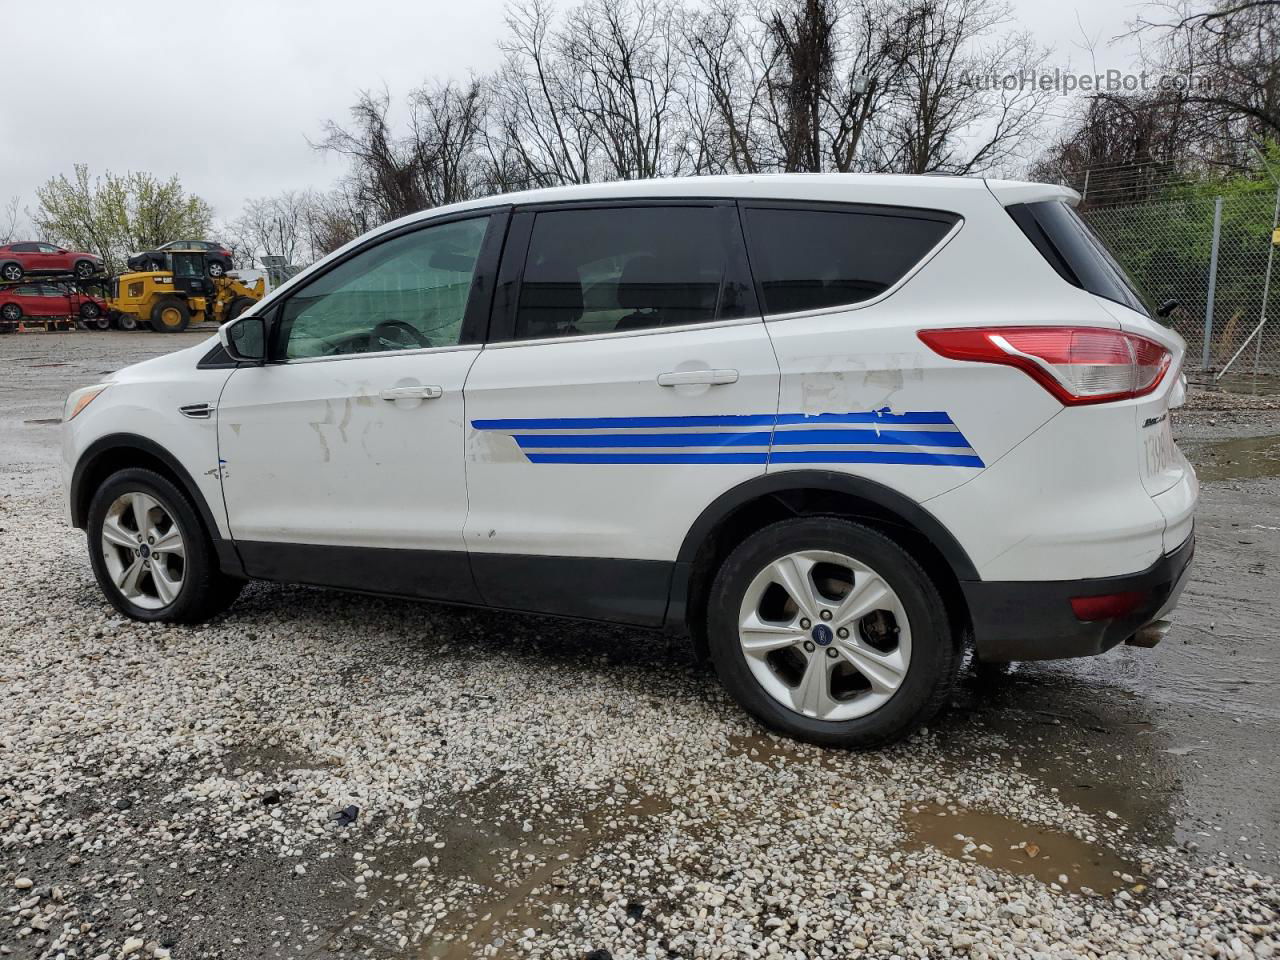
[(245, 339)]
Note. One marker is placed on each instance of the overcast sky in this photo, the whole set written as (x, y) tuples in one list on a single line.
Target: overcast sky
[(226, 94)]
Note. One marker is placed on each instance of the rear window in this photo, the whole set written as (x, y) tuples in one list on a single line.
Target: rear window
[(811, 258), (1076, 252)]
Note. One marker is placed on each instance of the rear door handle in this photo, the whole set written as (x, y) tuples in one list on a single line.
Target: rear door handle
[(412, 393), (680, 377)]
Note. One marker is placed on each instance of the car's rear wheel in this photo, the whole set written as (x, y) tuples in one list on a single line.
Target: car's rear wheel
[(830, 632), (84, 269), (11, 312), (217, 268), (150, 554), (11, 273)]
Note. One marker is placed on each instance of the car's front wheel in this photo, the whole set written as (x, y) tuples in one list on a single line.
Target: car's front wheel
[(11, 273), (830, 632), (85, 269), (150, 554)]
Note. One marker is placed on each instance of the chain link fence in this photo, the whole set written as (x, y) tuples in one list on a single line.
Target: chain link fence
[(1227, 291)]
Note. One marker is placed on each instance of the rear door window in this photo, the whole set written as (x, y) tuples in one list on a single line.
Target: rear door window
[(615, 269), (816, 258), (1076, 252)]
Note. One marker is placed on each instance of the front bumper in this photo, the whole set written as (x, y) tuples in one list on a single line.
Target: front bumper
[(1033, 620)]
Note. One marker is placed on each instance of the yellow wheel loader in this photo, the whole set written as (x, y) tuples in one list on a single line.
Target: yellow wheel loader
[(171, 300)]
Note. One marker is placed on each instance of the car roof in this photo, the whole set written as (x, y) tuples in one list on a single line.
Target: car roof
[(895, 189), (886, 188)]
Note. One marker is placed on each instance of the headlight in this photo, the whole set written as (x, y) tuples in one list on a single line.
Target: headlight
[(81, 399)]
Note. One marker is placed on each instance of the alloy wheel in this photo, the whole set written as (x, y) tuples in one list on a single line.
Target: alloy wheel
[(825, 635), (145, 554), (12, 272)]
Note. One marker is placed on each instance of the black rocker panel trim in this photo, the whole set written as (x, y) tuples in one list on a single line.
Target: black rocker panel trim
[(589, 588), (418, 574)]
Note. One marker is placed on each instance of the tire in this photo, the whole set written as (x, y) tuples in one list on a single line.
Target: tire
[(202, 590), (100, 322), (11, 313), (170, 315), (90, 311), (11, 273), (84, 269), (915, 663), (217, 268), (127, 321), (236, 307)]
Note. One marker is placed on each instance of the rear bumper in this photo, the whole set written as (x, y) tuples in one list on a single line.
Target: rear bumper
[(1033, 620)]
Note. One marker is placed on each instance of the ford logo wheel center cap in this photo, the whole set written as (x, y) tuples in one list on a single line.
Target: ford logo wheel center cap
[(822, 635)]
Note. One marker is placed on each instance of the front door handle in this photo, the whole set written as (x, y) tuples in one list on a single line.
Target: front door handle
[(412, 393), (678, 378)]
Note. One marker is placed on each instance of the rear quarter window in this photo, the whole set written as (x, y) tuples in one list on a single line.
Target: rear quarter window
[(1076, 252), (815, 258)]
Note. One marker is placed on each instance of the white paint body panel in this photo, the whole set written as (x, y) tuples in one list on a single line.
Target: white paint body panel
[(313, 454), (144, 399), (635, 510)]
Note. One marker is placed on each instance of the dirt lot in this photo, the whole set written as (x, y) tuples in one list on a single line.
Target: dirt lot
[(320, 775)]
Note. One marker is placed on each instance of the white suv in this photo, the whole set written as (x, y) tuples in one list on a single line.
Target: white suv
[(830, 427)]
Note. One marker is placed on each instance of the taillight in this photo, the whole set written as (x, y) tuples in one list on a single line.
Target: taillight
[(1078, 365)]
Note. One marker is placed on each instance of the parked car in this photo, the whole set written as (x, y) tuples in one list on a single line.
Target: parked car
[(828, 427), (50, 300), (218, 257), (32, 257)]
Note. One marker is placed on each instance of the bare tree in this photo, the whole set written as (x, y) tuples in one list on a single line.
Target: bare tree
[(274, 227), (729, 62), (536, 139), (627, 95), (960, 106), (1225, 60), (1127, 144), (10, 221)]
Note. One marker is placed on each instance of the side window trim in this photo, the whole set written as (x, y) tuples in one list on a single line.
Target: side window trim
[(475, 314), (506, 300), (954, 221)]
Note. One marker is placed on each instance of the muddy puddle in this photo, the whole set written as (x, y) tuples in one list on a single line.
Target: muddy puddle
[(1006, 844), (1248, 384), (524, 901), (1241, 458)]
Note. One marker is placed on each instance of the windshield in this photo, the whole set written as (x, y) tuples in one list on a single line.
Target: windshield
[(1076, 252)]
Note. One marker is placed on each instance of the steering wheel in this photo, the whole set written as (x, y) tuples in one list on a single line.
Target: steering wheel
[(395, 333)]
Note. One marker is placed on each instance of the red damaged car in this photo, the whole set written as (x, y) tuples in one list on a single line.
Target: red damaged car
[(42, 301), (27, 257)]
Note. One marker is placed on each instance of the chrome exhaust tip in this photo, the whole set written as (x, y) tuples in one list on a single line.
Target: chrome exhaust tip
[(1151, 634)]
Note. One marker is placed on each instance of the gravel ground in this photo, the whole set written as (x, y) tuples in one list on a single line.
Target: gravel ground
[(316, 775)]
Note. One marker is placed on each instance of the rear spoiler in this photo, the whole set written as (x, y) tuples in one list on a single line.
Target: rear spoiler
[(1018, 191)]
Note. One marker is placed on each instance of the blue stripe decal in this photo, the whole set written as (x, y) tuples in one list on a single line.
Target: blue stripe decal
[(876, 456), (648, 457), (736, 431), (757, 438), (598, 423), (910, 438), (873, 416)]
